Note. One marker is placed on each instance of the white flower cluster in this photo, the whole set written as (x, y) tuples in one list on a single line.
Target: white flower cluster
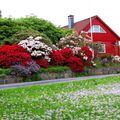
[(116, 58), (36, 47)]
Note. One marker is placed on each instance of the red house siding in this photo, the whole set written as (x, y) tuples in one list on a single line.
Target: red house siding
[(107, 38)]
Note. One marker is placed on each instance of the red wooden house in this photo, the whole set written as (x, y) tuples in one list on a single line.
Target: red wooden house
[(101, 32)]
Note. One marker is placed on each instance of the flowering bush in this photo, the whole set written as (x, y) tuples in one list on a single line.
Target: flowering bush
[(24, 71), (12, 54), (87, 52), (36, 47), (42, 63), (76, 64), (74, 40), (67, 53), (57, 58), (116, 58), (69, 41)]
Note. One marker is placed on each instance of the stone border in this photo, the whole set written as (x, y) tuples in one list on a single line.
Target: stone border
[(66, 74)]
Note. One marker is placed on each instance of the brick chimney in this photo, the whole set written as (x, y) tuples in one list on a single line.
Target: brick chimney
[(70, 21)]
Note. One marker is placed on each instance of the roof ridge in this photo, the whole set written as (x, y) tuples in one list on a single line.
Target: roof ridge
[(87, 18)]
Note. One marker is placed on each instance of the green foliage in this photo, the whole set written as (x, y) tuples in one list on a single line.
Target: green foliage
[(12, 28), (23, 34), (5, 71), (56, 69)]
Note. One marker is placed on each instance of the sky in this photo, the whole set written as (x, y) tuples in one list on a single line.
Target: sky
[(57, 11)]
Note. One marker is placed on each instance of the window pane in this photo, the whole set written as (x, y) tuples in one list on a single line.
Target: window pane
[(102, 30), (96, 29), (103, 49)]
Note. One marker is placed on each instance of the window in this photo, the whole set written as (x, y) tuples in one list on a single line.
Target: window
[(96, 29), (102, 48)]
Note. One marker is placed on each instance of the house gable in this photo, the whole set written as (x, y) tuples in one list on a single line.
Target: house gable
[(84, 25), (110, 35)]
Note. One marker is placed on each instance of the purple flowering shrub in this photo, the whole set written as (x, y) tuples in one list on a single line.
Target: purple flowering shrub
[(24, 71)]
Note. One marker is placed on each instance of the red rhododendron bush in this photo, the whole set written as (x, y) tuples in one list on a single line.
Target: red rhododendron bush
[(76, 61), (42, 62), (57, 58), (13, 54), (76, 64)]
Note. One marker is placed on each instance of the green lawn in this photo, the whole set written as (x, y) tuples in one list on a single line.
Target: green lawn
[(95, 99)]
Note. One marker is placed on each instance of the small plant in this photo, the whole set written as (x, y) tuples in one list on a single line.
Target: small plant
[(106, 59), (24, 71)]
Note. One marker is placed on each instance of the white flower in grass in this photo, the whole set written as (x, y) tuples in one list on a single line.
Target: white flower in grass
[(94, 64)]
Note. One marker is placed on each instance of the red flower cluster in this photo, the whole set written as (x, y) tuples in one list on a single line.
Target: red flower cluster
[(60, 57), (12, 54), (67, 53), (87, 52), (42, 63), (76, 64), (57, 58)]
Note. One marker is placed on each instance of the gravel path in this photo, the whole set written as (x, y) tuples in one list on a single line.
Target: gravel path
[(53, 81)]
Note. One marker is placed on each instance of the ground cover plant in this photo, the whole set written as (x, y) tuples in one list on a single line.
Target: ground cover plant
[(89, 99)]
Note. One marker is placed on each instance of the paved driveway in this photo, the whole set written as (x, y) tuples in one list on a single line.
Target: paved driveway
[(53, 81)]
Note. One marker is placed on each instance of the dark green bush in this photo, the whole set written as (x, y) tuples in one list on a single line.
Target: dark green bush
[(23, 34), (11, 28)]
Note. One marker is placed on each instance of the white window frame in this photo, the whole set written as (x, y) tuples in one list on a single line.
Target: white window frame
[(103, 48), (94, 31)]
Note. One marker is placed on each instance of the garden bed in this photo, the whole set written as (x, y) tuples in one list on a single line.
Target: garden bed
[(57, 73)]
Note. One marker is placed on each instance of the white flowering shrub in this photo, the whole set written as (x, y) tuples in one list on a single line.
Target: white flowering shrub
[(74, 40), (36, 47), (116, 58)]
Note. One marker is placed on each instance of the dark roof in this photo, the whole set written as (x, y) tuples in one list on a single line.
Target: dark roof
[(80, 25)]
